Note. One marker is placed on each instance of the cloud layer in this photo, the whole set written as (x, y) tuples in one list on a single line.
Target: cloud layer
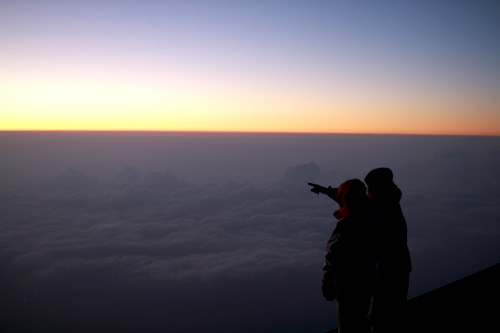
[(137, 247)]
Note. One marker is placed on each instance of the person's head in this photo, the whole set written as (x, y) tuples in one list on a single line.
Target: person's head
[(351, 196), (380, 184)]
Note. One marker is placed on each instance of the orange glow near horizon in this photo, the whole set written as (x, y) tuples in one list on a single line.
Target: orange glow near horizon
[(124, 106), (121, 101)]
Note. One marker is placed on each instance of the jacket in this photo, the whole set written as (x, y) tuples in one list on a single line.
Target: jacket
[(393, 256), (349, 258)]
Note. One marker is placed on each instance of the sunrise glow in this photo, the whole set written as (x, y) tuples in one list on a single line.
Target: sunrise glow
[(88, 67)]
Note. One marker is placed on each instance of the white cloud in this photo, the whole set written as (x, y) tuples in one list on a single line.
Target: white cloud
[(308, 172)]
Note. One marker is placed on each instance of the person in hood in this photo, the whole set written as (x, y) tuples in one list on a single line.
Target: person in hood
[(393, 256), (349, 269)]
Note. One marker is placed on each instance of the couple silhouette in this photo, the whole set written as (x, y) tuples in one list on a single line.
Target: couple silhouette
[(367, 261)]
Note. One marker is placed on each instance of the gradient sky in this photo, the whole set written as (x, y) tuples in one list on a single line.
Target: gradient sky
[(296, 66)]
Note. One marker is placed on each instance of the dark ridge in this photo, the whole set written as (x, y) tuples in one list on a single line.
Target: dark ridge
[(470, 304)]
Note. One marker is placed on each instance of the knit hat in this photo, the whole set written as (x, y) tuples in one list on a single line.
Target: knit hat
[(379, 177), (381, 186)]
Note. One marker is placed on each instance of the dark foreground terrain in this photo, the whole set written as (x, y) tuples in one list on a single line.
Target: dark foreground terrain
[(470, 304)]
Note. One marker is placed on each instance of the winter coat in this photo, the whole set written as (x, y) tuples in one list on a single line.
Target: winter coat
[(393, 256), (349, 258)]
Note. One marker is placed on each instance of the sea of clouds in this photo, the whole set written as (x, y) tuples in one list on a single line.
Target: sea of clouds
[(218, 232)]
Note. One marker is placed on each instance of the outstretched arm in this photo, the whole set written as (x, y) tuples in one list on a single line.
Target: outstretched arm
[(329, 191)]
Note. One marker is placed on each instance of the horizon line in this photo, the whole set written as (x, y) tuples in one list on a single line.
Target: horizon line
[(249, 132)]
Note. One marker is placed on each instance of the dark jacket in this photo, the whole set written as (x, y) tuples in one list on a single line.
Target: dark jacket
[(349, 257), (393, 256)]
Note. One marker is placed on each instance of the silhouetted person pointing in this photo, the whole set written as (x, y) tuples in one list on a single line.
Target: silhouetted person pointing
[(349, 269), (393, 262), (393, 256)]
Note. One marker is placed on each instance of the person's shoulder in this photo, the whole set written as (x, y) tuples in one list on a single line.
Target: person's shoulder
[(343, 226), (342, 223)]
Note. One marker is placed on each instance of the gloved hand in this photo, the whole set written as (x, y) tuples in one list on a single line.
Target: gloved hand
[(317, 188), (329, 191)]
